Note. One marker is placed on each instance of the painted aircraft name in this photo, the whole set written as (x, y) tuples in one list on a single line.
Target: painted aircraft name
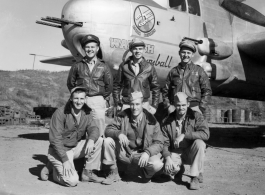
[(161, 63), (124, 44)]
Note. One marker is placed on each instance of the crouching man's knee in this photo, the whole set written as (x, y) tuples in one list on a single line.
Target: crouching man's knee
[(199, 144), (71, 181), (155, 163), (109, 142)]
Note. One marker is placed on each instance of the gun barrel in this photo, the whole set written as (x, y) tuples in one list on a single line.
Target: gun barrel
[(64, 21), (195, 40), (48, 24)]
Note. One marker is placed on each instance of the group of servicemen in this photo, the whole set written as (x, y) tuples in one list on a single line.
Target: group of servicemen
[(135, 136)]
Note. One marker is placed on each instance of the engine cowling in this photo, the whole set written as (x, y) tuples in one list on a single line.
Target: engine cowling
[(215, 49)]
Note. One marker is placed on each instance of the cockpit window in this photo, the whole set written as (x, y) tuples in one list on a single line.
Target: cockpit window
[(179, 5), (194, 7)]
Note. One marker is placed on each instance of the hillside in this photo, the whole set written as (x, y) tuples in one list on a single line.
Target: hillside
[(25, 89)]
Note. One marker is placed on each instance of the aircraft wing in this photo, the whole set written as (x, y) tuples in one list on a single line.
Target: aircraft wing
[(253, 45), (68, 60)]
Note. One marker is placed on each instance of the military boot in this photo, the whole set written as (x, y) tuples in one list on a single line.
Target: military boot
[(46, 170), (112, 177), (194, 183), (91, 176)]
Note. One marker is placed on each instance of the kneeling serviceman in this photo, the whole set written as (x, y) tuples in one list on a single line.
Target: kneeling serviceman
[(184, 133), (73, 134), (134, 137)]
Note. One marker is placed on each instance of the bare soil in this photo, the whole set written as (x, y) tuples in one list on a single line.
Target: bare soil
[(236, 165)]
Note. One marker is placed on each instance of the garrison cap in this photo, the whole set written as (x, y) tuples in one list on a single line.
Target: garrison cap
[(79, 88), (135, 43), (135, 95), (180, 96), (89, 38), (187, 44)]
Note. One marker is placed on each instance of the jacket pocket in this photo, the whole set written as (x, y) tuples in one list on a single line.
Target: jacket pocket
[(101, 86), (196, 92), (98, 72)]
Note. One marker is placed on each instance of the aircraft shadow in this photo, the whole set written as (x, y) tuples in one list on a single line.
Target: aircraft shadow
[(35, 136), (237, 137)]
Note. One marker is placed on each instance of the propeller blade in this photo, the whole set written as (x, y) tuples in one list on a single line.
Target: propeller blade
[(243, 11)]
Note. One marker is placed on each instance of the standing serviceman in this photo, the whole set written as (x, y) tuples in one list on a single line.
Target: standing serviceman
[(189, 78), (184, 133), (93, 74), (73, 134), (136, 73)]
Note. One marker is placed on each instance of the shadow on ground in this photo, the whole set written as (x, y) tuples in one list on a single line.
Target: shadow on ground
[(237, 137), (35, 136)]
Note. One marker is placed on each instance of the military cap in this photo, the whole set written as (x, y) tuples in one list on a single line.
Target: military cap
[(187, 44), (89, 38), (180, 96), (135, 43), (135, 95), (79, 88)]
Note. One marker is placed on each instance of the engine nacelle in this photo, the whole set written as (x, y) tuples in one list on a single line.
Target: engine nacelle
[(215, 49)]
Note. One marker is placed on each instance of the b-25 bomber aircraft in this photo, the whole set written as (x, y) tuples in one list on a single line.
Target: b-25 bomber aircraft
[(230, 37)]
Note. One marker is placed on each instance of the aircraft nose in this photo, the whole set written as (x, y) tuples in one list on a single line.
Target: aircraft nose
[(100, 17)]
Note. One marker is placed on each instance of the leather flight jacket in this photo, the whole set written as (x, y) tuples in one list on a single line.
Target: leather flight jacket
[(194, 82), (145, 81), (98, 82)]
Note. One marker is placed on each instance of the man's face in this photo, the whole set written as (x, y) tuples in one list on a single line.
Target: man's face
[(185, 55), (91, 49), (78, 99), (136, 106), (181, 107), (138, 52)]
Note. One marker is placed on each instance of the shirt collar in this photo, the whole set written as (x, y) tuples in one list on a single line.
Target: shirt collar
[(179, 121), (93, 61), (139, 62), (138, 119)]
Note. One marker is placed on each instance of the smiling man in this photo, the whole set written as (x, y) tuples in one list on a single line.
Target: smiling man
[(189, 78), (93, 74), (184, 133), (73, 134), (134, 137), (136, 73)]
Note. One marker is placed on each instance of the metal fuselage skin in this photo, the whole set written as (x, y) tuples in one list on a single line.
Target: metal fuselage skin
[(117, 22)]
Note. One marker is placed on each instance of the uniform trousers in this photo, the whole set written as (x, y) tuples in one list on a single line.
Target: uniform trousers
[(98, 106), (113, 149), (193, 155), (93, 162)]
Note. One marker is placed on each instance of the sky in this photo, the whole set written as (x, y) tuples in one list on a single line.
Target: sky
[(21, 36)]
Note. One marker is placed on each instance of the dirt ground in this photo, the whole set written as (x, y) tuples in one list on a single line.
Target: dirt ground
[(235, 166)]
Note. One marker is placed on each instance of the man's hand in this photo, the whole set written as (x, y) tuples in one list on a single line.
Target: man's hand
[(143, 160), (152, 110), (178, 140), (123, 140), (171, 109), (169, 167), (118, 108), (90, 147), (68, 169)]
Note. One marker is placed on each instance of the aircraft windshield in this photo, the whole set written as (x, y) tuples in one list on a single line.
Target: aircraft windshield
[(194, 7), (179, 5)]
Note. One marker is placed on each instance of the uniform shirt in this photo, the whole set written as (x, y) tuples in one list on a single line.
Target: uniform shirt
[(136, 67), (77, 117), (91, 63), (179, 127), (135, 132)]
